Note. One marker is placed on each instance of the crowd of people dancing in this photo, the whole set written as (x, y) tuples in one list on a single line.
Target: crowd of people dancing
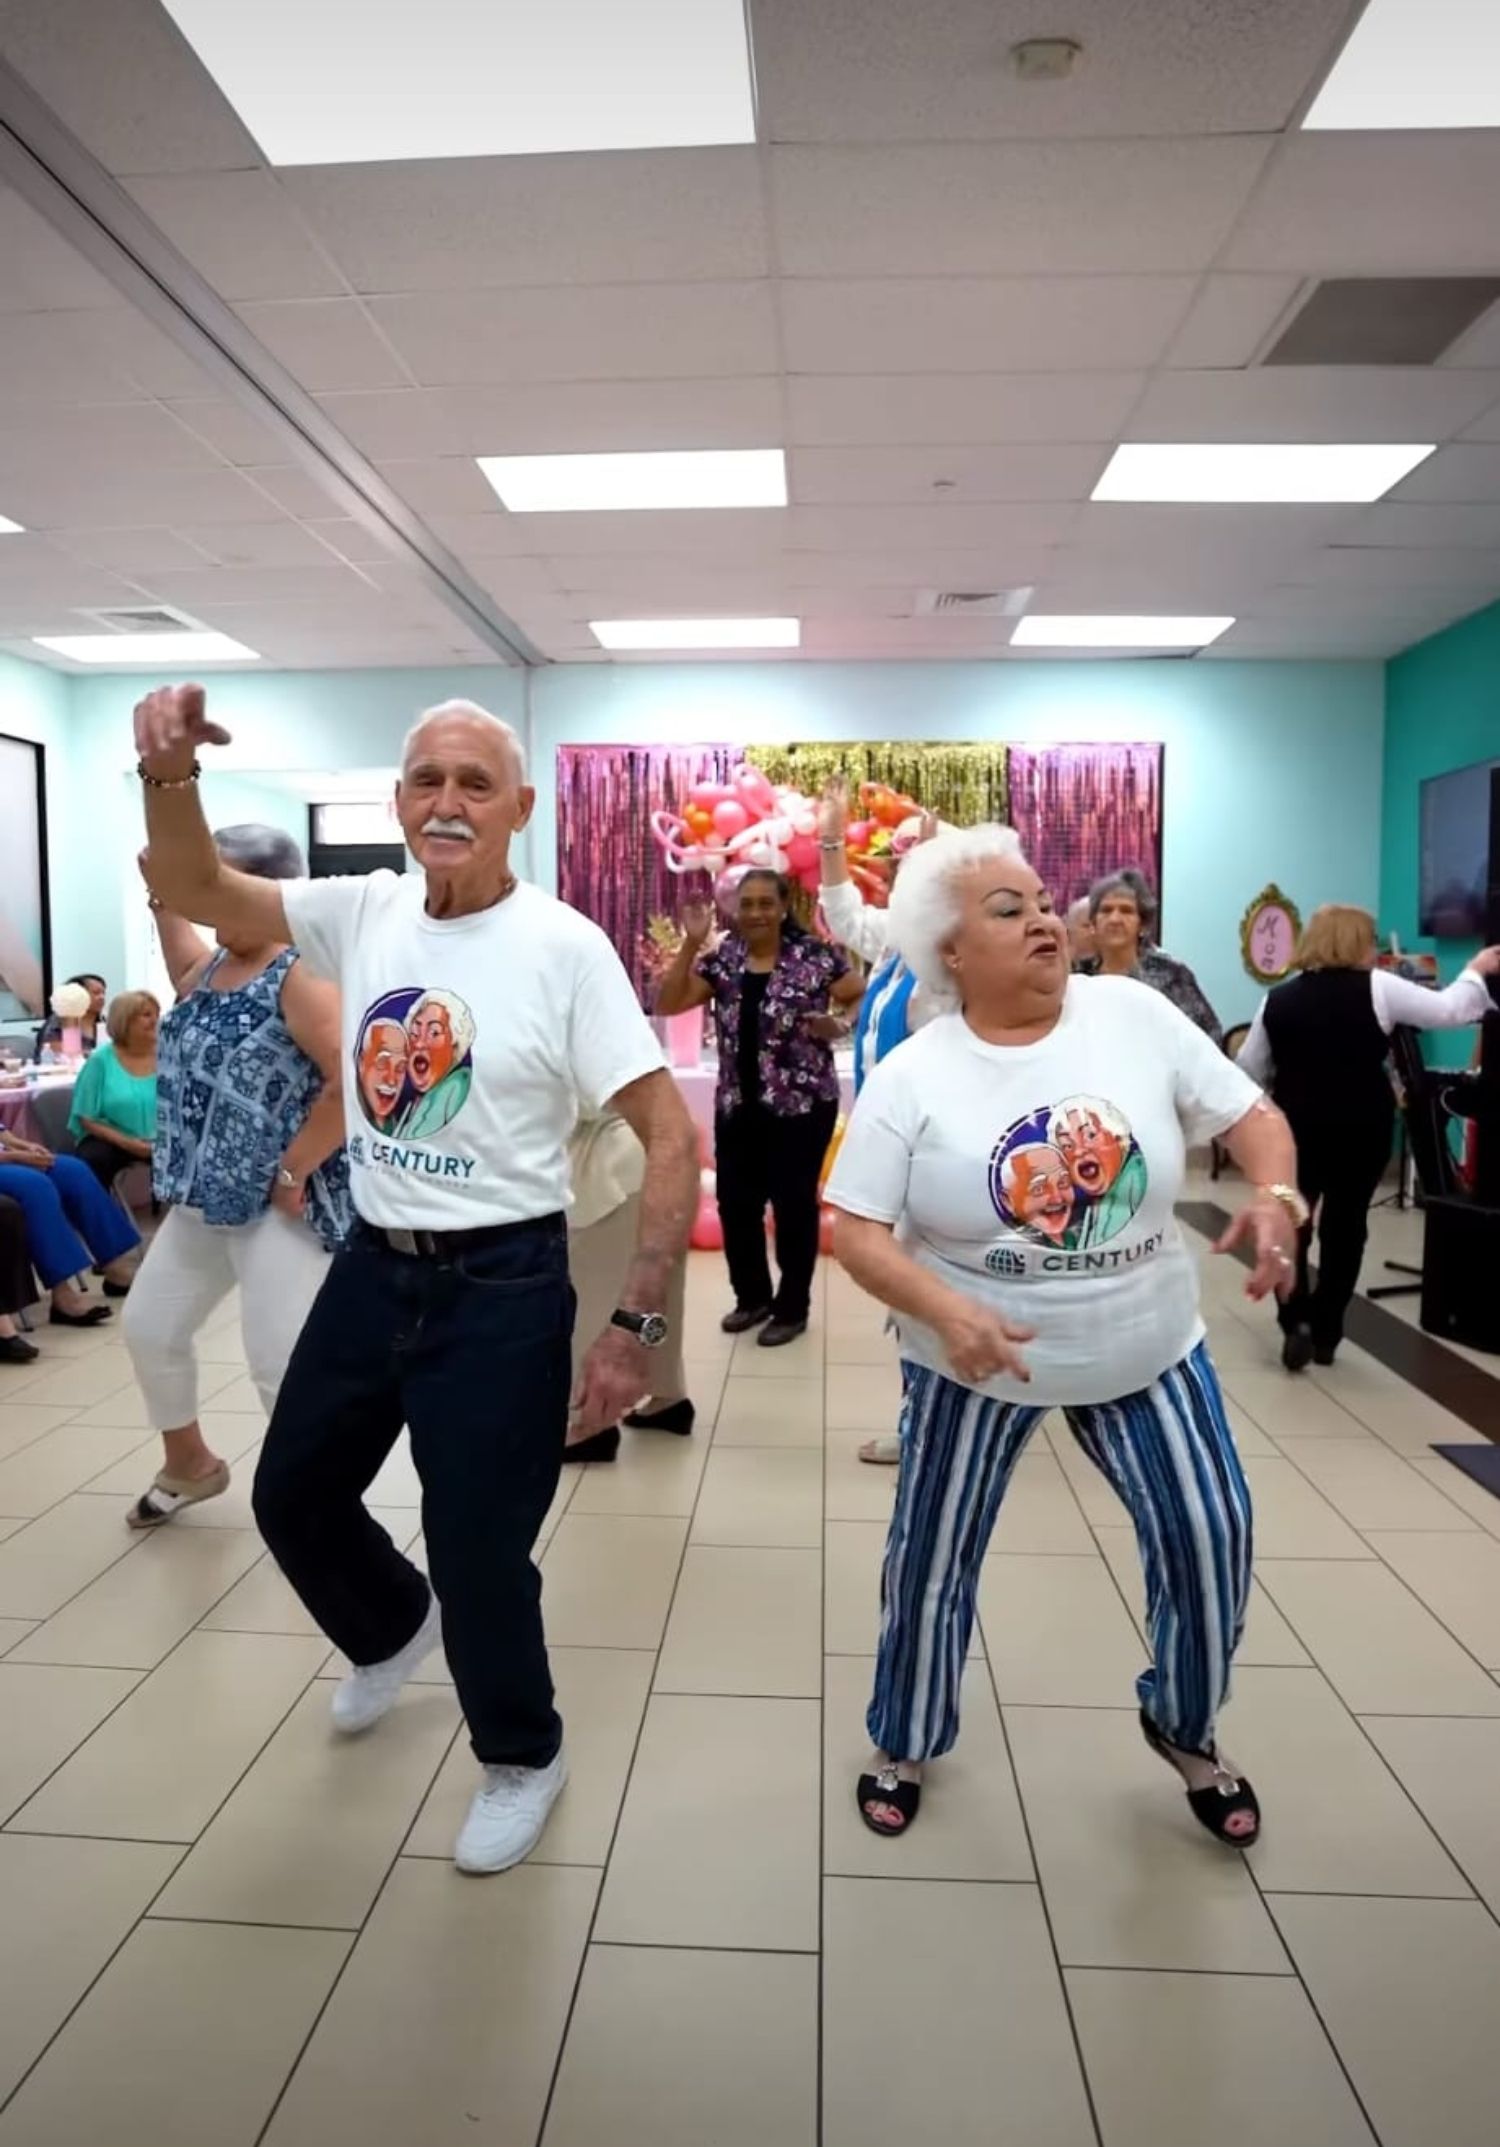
[(424, 1126)]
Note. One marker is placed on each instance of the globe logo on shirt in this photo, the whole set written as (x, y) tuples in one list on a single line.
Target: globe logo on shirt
[(414, 1061), (1068, 1175)]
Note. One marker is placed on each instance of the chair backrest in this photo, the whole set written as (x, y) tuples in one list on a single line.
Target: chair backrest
[(1426, 1119), (1234, 1039), (49, 1110)]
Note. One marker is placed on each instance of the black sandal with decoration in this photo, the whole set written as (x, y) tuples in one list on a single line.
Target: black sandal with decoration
[(885, 1786), (1228, 1798)]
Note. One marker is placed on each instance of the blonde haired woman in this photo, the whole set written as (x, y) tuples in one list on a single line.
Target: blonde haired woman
[(1320, 1044), (113, 1118)]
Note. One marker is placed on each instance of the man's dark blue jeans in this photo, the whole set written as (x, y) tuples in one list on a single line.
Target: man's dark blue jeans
[(470, 1349)]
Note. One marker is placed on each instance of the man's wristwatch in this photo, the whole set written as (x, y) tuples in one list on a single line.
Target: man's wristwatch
[(1288, 1197), (649, 1328)]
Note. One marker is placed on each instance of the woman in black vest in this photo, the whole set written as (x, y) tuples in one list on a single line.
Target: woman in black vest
[(1319, 1044)]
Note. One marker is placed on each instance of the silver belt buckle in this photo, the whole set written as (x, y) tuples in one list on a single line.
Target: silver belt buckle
[(403, 1241)]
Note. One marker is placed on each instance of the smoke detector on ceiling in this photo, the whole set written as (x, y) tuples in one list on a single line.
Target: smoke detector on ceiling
[(1045, 59), (971, 603)]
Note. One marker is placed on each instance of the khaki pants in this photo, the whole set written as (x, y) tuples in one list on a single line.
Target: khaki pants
[(598, 1258)]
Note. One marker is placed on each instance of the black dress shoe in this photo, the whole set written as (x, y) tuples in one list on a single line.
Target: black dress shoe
[(95, 1316), (743, 1318), (780, 1332), (1324, 1352), (1297, 1349), (678, 1417), (603, 1446), (15, 1349)]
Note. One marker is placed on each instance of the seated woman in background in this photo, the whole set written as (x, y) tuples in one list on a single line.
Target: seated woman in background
[(773, 988), (1321, 1044), (17, 1285), (49, 1037), (1122, 911), (71, 1226), (113, 1119)]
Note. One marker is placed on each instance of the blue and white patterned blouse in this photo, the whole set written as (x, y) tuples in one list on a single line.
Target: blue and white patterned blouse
[(233, 1089)]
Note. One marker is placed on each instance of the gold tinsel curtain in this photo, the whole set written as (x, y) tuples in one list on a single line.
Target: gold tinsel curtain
[(960, 783)]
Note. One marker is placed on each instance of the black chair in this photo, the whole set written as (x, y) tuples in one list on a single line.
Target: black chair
[(1425, 1117)]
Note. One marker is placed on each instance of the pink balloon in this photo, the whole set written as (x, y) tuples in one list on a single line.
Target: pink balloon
[(802, 853), (730, 819), (707, 1232), (708, 795), (754, 792)]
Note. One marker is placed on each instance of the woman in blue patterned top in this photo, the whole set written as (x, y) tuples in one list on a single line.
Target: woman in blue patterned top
[(249, 1157)]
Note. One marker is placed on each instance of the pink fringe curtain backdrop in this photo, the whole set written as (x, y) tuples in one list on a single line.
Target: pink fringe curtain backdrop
[(1080, 810)]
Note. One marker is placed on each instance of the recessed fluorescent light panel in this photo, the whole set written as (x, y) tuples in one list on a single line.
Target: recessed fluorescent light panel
[(1247, 473), (324, 82), (1415, 63), (604, 484), (663, 634), (148, 651), (9, 528), (1110, 630)]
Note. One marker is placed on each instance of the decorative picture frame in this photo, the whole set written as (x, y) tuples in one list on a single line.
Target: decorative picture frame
[(1269, 932)]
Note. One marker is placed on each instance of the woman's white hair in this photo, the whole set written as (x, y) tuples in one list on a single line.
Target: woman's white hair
[(460, 1020), (924, 906)]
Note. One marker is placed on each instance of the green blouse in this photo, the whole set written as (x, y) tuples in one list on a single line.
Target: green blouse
[(112, 1096)]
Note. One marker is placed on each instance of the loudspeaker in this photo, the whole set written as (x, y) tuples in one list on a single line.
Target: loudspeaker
[(1460, 1261)]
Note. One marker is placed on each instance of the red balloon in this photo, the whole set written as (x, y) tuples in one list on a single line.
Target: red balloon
[(707, 1232), (730, 819)]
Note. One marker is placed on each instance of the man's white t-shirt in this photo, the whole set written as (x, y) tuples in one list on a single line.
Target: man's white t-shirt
[(1042, 1178), (470, 1045)]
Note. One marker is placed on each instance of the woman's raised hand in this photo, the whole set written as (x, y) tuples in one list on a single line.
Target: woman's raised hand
[(697, 920)]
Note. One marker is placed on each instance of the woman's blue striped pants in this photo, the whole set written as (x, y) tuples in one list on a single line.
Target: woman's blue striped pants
[(1168, 1452)]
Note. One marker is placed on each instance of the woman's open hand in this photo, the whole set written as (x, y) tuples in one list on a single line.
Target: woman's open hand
[(980, 1344), (1265, 1226), (697, 921), (833, 812)]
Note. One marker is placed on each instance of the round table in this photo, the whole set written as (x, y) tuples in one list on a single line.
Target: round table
[(15, 1105)]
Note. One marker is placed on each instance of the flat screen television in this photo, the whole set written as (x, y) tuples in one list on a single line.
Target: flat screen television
[(1456, 846)]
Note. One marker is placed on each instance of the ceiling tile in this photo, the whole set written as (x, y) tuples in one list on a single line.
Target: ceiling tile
[(240, 230), (1487, 426), (733, 533), (538, 418), (1389, 566), (331, 584), (1203, 535), (325, 343), (832, 410), (1009, 208), (1328, 639), (439, 484), (1316, 603), (232, 431), (42, 271), (585, 332), (1020, 324), (296, 491), (177, 499), (1354, 204), (666, 216), (133, 552), (101, 437), (262, 544), (350, 539), (1231, 317), (1468, 470), (944, 475), (1019, 531), (1414, 523), (1479, 345), (61, 357), (1293, 402)]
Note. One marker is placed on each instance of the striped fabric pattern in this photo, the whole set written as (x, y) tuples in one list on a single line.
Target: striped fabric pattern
[(881, 1022), (1170, 1456)]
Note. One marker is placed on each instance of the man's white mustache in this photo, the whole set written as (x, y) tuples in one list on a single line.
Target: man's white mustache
[(460, 829)]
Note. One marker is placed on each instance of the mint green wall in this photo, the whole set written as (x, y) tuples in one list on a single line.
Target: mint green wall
[(1442, 711)]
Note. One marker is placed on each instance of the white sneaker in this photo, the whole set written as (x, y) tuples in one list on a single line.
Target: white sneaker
[(508, 1815), (365, 1695)]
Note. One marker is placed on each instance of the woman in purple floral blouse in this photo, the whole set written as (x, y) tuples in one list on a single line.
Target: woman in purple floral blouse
[(773, 988)]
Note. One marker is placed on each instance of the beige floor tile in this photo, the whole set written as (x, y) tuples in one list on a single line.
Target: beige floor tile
[(855, 1490), (655, 1473), (11, 1524), (1248, 1436), (64, 1907), (22, 1422), (864, 1397), (232, 1438), (1292, 1520), (156, 2021), (1175, 2060), (45, 1715), (1039, 1514), (127, 1405), (1374, 1488), (81, 1382), (970, 1825), (1403, 1418), (1383, 1652), (1480, 1505), (601, 1696), (1336, 1821), (761, 1497), (57, 1463), (1459, 1581), (607, 1579), (718, 1840), (851, 1340), (1057, 1633), (1452, 1770), (265, 1602), (681, 2049), (802, 1359), (310, 1832), (1268, 1640), (397, 1482), (137, 1612), (746, 1622), (446, 2023), (1288, 1409), (985, 2050), (1410, 1993), (1131, 1880), (767, 1412), (164, 1762), (42, 1565), (13, 1631), (237, 1393)]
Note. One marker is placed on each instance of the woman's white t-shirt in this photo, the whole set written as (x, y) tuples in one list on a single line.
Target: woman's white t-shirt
[(1042, 1178)]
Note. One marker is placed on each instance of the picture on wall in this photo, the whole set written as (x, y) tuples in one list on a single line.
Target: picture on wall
[(25, 926)]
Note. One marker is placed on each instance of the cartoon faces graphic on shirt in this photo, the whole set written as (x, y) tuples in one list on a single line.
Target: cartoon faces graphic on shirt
[(414, 1061), (1069, 1175)]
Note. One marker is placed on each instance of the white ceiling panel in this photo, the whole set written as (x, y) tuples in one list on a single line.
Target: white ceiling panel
[(1414, 524), (886, 70), (1375, 205), (575, 417), (1327, 639), (1487, 426), (623, 578), (442, 484), (834, 410), (332, 584), (732, 533), (240, 230), (1315, 603), (1231, 318), (1010, 208), (60, 358), (105, 437), (1296, 402), (1023, 531), (262, 544), (655, 216), (928, 475), (42, 272), (587, 332), (1468, 470), (350, 539), (923, 567), (135, 552), (1479, 345), (75, 498), (232, 431), (1394, 567), (326, 343), (1145, 532), (992, 325), (295, 491)]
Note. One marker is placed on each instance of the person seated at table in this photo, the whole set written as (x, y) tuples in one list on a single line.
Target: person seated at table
[(49, 1037), (113, 1119), (71, 1226), (17, 1285)]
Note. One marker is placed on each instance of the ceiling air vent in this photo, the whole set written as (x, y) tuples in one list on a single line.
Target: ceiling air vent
[(971, 603), (147, 619), (1383, 320)]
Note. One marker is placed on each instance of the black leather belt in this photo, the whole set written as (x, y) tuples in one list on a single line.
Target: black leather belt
[(444, 1244)]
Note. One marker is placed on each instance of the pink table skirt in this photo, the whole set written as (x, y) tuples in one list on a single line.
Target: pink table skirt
[(15, 1110), (699, 1084)]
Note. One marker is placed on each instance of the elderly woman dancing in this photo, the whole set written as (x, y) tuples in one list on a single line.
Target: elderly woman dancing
[(1006, 1188)]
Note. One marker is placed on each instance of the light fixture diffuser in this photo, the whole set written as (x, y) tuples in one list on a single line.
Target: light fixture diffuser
[(663, 634), (8, 528), (606, 484), (1115, 630), (1260, 471), (1415, 63), (328, 82), (167, 652)]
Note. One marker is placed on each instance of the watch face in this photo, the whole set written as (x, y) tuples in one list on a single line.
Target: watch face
[(653, 1330)]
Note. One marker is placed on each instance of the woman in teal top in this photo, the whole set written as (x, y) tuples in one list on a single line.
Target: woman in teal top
[(113, 1120)]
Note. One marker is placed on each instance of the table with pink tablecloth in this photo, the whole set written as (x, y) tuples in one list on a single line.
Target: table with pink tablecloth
[(15, 1107), (698, 1084)]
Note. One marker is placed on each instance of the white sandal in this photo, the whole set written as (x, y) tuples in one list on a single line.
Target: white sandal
[(884, 1452), (169, 1494)]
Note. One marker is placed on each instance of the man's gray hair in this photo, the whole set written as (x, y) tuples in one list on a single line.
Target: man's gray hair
[(265, 852), (925, 905), (472, 711), (460, 1020), (1133, 884)]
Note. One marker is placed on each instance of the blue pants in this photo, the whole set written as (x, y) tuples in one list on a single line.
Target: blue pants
[(1169, 1454), (71, 1222)]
